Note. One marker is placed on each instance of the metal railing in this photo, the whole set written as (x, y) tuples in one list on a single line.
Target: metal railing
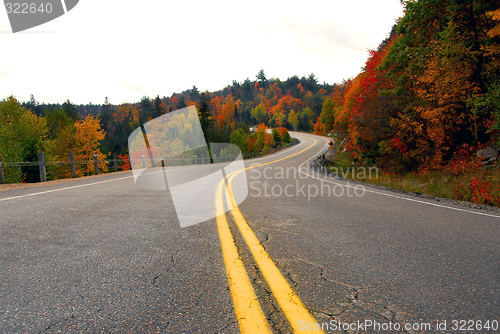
[(146, 161), (181, 160), (327, 153)]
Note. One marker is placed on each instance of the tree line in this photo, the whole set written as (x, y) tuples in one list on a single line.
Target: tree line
[(429, 92), (226, 116)]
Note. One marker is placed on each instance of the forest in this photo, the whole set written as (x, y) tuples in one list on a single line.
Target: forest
[(427, 98), (225, 116), (428, 93)]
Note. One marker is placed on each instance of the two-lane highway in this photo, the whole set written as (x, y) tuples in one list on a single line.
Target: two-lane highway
[(375, 256), (104, 255)]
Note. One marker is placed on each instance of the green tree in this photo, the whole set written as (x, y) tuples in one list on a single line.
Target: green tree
[(293, 119), (327, 116), (306, 119), (182, 103), (259, 113), (22, 137), (60, 143), (276, 136), (57, 119), (194, 93), (286, 138), (239, 138), (261, 78), (204, 115), (106, 115), (159, 107), (247, 90), (263, 140), (70, 110), (33, 105), (146, 110)]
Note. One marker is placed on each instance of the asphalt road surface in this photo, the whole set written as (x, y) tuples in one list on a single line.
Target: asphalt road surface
[(106, 256)]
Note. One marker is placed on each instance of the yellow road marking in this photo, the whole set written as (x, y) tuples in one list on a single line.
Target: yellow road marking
[(288, 300), (246, 305), (290, 303)]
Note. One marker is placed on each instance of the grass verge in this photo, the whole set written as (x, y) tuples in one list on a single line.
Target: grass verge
[(480, 185)]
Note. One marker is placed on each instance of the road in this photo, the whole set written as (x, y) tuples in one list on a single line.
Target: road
[(103, 255)]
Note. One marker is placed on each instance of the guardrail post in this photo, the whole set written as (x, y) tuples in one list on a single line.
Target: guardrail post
[(115, 162), (41, 163), (173, 161), (143, 161), (153, 158), (2, 180), (195, 159), (96, 164), (72, 165)]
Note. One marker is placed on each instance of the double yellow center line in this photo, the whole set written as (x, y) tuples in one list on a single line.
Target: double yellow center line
[(247, 308)]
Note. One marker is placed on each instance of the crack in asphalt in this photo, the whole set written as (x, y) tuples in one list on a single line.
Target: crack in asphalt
[(172, 265), (231, 323), (276, 311), (354, 300), (57, 323), (353, 294), (269, 304)]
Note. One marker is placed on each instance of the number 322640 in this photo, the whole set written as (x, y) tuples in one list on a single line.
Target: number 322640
[(27, 8)]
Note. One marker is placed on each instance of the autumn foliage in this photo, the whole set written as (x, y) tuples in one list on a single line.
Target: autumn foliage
[(428, 95), (426, 99), (125, 164), (479, 189), (23, 135), (88, 134)]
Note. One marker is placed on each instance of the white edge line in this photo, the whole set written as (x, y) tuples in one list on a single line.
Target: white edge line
[(394, 196), (60, 189), (300, 170), (79, 186), (94, 183)]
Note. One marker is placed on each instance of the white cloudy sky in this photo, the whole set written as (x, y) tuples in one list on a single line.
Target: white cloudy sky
[(126, 49)]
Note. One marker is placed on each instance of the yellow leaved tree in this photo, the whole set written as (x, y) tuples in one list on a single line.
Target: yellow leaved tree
[(88, 134)]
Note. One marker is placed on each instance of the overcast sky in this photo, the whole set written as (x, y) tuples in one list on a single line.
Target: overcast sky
[(128, 49)]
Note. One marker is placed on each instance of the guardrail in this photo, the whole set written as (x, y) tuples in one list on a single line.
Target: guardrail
[(184, 160), (145, 162), (328, 153), (41, 163)]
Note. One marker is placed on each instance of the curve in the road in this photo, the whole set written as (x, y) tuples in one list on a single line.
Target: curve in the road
[(242, 292)]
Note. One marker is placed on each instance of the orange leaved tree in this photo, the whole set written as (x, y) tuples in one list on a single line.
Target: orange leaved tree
[(88, 135)]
